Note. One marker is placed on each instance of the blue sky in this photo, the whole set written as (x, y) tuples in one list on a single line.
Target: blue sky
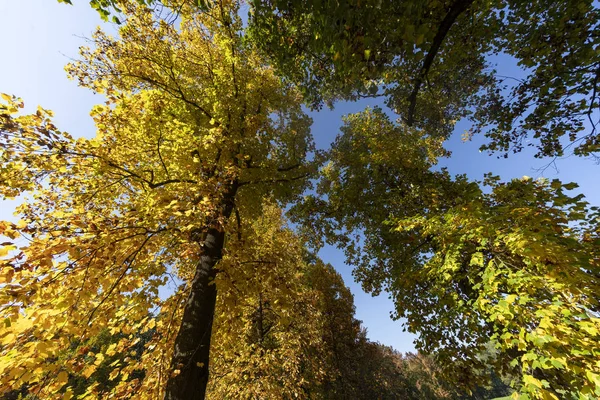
[(39, 37)]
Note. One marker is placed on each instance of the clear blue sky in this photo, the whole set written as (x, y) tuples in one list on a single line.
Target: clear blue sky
[(39, 36)]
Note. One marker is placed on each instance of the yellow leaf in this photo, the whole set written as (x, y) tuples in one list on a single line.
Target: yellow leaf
[(151, 324), (4, 250), (113, 374), (88, 371), (530, 380), (546, 395), (595, 378), (62, 377), (511, 298), (111, 349), (99, 358), (42, 348)]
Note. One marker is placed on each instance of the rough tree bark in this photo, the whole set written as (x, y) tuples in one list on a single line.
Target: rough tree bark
[(192, 345)]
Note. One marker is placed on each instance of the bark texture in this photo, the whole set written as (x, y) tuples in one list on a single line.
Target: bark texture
[(192, 345)]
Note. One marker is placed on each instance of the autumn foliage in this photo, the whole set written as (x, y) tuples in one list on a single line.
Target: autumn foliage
[(156, 260)]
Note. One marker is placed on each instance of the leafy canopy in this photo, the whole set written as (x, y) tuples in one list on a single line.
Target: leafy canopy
[(516, 264), (108, 221), (433, 61), (196, 122)]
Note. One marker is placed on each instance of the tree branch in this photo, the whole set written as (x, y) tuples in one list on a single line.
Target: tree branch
[(257, 181), (289, 168), (456, 9)]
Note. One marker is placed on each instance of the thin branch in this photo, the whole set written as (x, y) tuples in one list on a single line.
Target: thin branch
[(128, 263), (593, 100), (289, 168), (130, 174), (160, 155), (257, 262), (239, 223), (370, 96), (280, 180)]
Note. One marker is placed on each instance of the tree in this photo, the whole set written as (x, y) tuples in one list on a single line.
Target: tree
[(340, 332), (517, 265), (268, 328), (196, 131), (354, 367), (426, 377), (431, 61)]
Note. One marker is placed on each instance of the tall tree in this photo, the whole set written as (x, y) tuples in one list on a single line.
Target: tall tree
[(431, 62), (195, 126), (339, 332), (268, 341)]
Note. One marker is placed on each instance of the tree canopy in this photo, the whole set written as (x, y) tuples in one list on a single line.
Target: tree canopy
[(202, 146), (516, 264), (432, 61), (196, 129)]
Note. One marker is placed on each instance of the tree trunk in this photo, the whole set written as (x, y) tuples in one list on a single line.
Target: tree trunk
[(192, 344)]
